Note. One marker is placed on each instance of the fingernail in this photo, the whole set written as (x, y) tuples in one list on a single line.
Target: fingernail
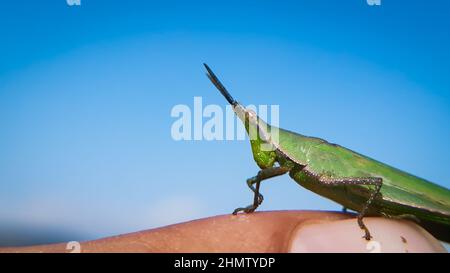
[(346, 236)]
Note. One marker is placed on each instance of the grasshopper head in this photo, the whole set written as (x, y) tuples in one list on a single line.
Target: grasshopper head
[(259, 133), (258, 130)]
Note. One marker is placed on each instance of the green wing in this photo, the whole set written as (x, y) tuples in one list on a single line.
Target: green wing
[(406, 193)]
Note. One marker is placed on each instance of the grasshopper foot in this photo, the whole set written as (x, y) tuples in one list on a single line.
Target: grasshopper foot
[(367, 235), (361, 224), (248, 209)]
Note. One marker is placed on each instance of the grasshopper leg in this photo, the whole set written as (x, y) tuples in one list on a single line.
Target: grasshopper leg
[(375, 181), (256, 180)]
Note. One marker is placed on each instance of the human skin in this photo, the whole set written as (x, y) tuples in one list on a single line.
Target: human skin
[(271, 231)]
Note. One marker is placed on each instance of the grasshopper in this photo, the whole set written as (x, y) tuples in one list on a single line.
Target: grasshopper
[(355, 181)]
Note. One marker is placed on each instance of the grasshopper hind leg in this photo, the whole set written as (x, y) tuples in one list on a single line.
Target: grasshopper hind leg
[(377, 182), (374, 181), (256, 180)]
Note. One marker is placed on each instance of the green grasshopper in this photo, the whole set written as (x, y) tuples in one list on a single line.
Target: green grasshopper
[(355, 181)]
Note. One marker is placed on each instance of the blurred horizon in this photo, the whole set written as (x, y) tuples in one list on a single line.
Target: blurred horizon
[(86, 94)]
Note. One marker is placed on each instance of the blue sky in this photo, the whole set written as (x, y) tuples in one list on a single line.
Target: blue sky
[(86, 93)]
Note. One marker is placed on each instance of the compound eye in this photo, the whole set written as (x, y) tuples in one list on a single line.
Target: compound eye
[(251, 114)]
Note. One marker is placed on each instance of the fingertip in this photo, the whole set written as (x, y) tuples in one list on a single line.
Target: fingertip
[(346, 236)]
